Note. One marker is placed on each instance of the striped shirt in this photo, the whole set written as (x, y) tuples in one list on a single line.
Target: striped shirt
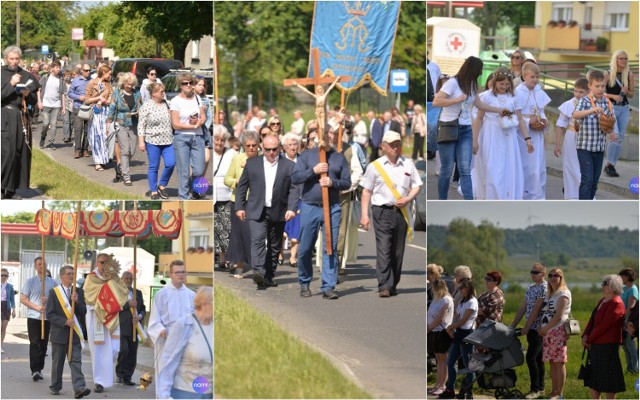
[(591, 137)]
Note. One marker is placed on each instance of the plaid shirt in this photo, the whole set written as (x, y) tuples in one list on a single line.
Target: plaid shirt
[(119, 110), (591, 137)]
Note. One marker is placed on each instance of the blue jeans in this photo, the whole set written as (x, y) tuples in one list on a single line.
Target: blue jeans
[(154, 153), (456, 350), (622, 121), (456, 152), (312, 219), (590, 169), (630, 352), (189, 152)]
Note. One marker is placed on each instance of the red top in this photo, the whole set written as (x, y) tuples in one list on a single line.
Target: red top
[(606, 325)]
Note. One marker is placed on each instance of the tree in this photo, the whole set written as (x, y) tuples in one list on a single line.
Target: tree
[(22, 217), (495, 14), (173, 22)]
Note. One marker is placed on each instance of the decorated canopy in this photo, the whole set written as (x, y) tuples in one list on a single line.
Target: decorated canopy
[(115, 223)]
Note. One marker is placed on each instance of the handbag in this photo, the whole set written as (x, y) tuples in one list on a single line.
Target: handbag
[(509, 121), (448, 131), (85, 112), (585, 369), (572, 326)]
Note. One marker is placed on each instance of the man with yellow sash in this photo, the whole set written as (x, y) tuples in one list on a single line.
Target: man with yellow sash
[(105, 295), (61, 319), (390, 184)]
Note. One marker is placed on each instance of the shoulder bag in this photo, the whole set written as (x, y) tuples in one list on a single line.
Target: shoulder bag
[(572, 326), (448, 131)]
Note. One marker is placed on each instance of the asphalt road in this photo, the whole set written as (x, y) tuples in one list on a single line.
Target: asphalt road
[(64, 154), (380, 343)]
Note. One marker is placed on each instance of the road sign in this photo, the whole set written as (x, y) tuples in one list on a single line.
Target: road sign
[(399, 81), (45, 49)]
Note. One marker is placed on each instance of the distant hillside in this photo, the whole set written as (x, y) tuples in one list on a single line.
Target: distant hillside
[(575, 241)]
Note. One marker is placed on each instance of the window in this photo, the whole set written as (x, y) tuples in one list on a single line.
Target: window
[(199, 238), (619, 22), (563, 12), (195, 49)]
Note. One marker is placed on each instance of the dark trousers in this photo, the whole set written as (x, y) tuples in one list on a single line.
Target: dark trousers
[(534, 361), (418, 146), (127, 358), (264, 256), (80, 130), (37, 346), (391, 233), (590, 169), (374, 153), (58, 357)]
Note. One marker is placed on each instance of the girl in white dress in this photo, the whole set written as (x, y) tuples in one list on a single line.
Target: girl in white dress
[(497, 157)]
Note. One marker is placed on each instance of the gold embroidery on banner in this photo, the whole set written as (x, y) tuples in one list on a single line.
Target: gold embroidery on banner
[(355, 27)]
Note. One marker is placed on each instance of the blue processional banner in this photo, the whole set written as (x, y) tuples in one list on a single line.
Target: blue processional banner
[(355, 38)]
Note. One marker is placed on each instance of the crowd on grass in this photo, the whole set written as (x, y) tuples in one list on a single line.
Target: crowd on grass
[(491, 140), (546, 309)]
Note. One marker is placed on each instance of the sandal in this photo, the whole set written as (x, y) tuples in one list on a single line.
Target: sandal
[(99, 167)]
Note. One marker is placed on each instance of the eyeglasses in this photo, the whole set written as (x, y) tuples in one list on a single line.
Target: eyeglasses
[(291, 145), (488, 279), (250, 145), (86, 70), (553, 276), (516, 58), (535, 272), (152, 74), (186, 83), (605, 283), (179, 272), (273, 150)]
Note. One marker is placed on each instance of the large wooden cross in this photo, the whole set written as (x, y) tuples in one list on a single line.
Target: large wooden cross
[(318, 80)]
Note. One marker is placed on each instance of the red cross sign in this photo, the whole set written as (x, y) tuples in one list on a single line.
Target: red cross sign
[(456, 43)]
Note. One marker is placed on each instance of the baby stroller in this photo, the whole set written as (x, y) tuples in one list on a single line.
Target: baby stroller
[(498, 351)]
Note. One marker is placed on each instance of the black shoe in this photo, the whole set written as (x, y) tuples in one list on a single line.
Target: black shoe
[(259, 280), (615, 173), (85, 392), (11, 196), (154, 196), (271, 283), (163, 193), (128, 382), (305, 291), (67, 140), (393, 292), (330, 294), (99, 388), (465, 395), (610, 170), (280, 261), (119, 380), (118, 177), (447, 394), (42, 143), (39, 376)]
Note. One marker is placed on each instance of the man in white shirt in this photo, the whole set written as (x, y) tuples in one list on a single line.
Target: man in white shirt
[(389, 198), (297, 126), (271, 202), (360, 132), (170, 303), (51, 99)]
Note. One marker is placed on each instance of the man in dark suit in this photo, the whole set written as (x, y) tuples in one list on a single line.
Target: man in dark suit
[(272, 201), (389, 124), (59, 315), (375, 135), (128, 355)]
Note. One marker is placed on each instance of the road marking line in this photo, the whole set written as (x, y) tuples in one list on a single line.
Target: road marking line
[(417, 247)]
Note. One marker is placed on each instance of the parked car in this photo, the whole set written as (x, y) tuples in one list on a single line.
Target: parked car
[(419, 207), (172, 86), (138, 66)]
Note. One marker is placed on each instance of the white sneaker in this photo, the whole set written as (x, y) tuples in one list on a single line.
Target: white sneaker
[(533, 395)]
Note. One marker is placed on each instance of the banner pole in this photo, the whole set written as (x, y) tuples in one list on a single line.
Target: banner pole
[(75, 274), (43, 294), (134, 311)]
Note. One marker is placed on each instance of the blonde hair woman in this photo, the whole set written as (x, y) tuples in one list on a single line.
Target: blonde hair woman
[(554, 337), (188, 353), (619, 89), (98, 94), (439, 317)]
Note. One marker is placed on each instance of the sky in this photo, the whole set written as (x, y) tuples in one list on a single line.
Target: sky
[(512, 214)]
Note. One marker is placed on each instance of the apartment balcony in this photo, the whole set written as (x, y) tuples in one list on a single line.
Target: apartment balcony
[(568, 40)]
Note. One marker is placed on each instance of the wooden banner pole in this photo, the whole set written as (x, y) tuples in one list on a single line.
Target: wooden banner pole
[(134, 310), (43, 294)]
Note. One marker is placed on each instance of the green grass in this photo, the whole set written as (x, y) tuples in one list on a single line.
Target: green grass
[(581, 269), (57, 181), (582, 305), (255, 358)]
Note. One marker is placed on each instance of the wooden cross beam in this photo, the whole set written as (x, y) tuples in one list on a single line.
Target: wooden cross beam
[(317, 80)]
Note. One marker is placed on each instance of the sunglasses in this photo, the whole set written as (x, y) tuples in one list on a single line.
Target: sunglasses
[(488, 279), (604, 283), (273, 150), (275, 123), (516, 58), (553, 276), (186, 83), (86, 70), (535, 272)]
